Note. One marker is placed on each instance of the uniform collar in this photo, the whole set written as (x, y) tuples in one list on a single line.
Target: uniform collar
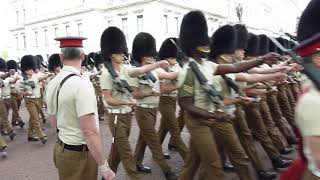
[(71, 69)]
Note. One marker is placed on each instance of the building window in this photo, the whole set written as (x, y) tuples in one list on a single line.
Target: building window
[(80, 33), (176, 21), (67, 30), (17, 42), (140, 23), (110, 22), (24, 42), (46, 37), (36, 38), (125, 26), (166, 26), (24, 15), (56, 32), (17, 16)]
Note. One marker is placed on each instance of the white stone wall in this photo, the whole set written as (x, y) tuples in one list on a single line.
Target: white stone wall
[(96, 15)]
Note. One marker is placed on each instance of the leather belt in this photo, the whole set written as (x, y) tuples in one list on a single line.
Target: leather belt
[(147, 105), (170, 95), (118, 111), (32, 97), (78, 148)]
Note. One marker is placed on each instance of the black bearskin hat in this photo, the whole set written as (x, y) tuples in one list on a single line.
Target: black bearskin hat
[(97, 59), (223, 41), (253, 45), (112, 41), (144, 45), (3, 65), (309, 21), (54, 61), (91, 55), (12, 64), (263, 44), (272, 47), (28, 62), (193, 32), (85, 61), (168, 49), (39, 61), (242, 36)]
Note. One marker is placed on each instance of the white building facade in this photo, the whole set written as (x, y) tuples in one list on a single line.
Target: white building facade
[(35, 23)]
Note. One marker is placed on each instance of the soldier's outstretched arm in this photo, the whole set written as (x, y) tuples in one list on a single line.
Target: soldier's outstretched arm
[(269, 58), (253, 78), (258, 70), (137, 71)]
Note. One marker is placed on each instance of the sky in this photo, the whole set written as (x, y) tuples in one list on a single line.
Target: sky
[(4, 20)]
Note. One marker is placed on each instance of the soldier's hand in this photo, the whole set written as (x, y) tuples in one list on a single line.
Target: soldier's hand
[(223, 117), (163, 64), (279, 76), (246, 100), (271, 58), (109, 175), (131, 103), (155, 93)]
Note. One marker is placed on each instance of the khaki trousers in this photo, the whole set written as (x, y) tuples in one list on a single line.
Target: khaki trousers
[(169, 122), (259, 130), (226, 137), (33, 106), (273, 131), (291, 98), (121, 150), (309, 176), (146, 118), (4, 113), (203, 149), (181, 123), (295, 89), (286, 109), (3, 144), (73, 165), (246, 139), (279, 119), (15, 105)]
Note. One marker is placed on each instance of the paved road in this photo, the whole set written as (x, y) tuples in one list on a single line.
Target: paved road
[(33, 161)]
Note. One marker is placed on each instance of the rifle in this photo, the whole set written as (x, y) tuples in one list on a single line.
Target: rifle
[(309, 69), (211, 91), (121, 84), (236, 88), (28, 85)]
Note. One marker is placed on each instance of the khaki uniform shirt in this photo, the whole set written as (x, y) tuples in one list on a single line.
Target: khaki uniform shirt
[(144, 88), (14, 88), (5, 90), (189, 85), (106, 83), (76, 98), (307, 117), (175, 68), (227, 92)]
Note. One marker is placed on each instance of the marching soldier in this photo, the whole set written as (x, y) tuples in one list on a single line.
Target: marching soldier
[(73, 112), (118, 99), (254, 116), (16, 97), (168, 99), (54, 64), (146, 89), (200, 111), (30, 89), (5, 101), (223, 47), (40, 71), (99, 66), (307, 110)]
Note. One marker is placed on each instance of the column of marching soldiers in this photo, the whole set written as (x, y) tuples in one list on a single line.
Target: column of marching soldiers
[(231, 89)]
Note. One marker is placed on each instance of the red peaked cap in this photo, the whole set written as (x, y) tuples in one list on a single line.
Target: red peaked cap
[(70, 41)]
